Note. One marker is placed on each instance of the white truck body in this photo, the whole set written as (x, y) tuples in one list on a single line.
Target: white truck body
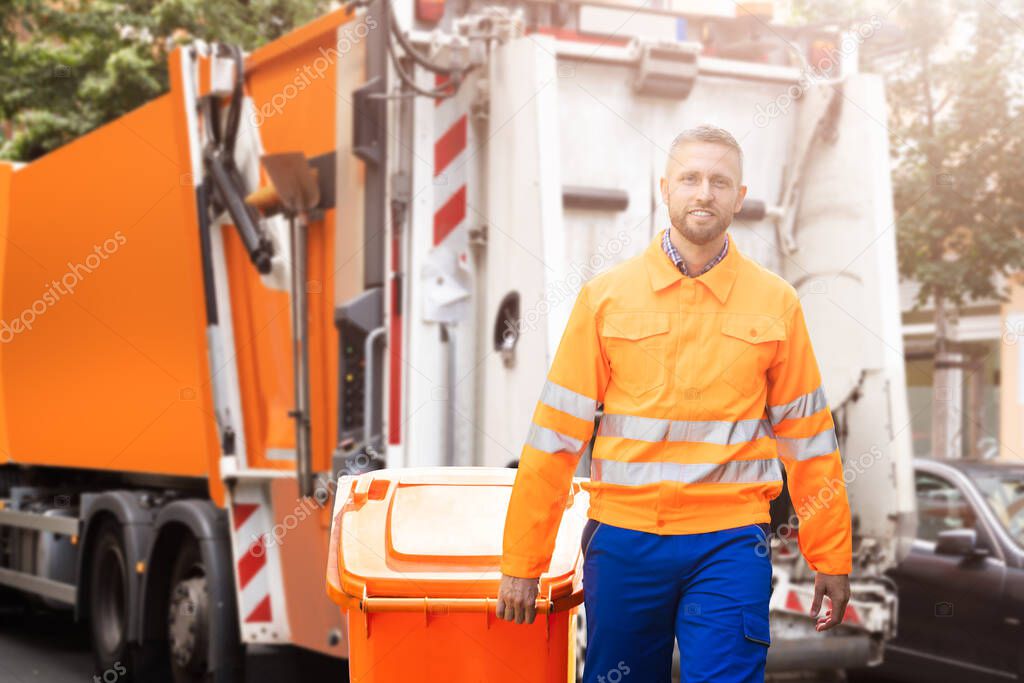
[(543, 170)]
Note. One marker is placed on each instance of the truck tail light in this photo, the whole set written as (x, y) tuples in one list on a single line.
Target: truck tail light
[(429, 10), (824, 58)]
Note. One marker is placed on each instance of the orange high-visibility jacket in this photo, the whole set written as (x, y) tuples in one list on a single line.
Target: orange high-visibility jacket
[(707, 383)]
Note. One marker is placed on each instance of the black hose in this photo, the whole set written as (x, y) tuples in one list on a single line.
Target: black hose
[(235, 108), (415, 54), (439, 93)]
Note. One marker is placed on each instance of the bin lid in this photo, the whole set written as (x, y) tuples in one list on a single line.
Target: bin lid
[(436, 532)]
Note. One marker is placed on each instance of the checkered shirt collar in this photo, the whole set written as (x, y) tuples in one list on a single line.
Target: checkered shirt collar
[(677, 259)]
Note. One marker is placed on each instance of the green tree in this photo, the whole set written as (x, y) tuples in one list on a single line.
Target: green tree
[(957, 131), (959, 124), (958, 182), (68, 67)]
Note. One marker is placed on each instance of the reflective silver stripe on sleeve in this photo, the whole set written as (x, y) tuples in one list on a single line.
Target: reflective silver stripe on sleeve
[(641, 473), (809, 447), (697, 431), (550, 441), (568, 401), (802, 406)]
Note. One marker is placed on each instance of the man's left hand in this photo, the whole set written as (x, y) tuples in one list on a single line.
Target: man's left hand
[(837, 588)]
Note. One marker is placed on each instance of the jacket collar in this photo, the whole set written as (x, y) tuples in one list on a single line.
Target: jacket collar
[(662, 272)]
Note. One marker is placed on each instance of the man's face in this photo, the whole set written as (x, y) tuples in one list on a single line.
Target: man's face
[(702, 189)]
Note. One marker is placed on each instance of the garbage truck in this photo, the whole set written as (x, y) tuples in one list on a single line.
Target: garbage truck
[(356, 247)]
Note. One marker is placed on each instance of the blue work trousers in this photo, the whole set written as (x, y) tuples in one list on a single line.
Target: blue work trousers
[(710, 591)]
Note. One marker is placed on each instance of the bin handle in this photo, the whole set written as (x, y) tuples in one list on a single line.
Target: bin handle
[(361, 490), (570, 500), (459, 605)]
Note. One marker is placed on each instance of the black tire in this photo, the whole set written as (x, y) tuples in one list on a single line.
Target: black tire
[(109, 600), (580, 650)]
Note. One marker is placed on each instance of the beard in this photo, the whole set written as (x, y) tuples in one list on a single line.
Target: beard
[(698, 233)]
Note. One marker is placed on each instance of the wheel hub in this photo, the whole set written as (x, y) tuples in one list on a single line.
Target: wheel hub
[(187, 621)]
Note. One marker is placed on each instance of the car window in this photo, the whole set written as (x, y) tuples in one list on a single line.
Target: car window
[(940, 506), (1003, 491)]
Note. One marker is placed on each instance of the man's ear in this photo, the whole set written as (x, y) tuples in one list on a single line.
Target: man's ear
[(664, 189), (739, 198)]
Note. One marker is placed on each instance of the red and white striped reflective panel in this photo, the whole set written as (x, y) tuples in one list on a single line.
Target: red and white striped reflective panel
[(850, 617), (253, 575), (450, 157), (793, 602)]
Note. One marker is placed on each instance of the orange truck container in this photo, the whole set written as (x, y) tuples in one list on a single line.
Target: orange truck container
[(414, 563), (148, 451)]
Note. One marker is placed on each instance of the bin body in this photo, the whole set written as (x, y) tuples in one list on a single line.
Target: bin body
[(414, 563), (460, 647)]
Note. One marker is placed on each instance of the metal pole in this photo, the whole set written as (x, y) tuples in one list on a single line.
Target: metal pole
[(448, 336), (300, 357)]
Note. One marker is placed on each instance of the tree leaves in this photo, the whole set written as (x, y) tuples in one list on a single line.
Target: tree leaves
[(66, 68), (956, 130)]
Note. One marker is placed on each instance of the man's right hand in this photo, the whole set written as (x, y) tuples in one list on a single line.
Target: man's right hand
[(517, 599)]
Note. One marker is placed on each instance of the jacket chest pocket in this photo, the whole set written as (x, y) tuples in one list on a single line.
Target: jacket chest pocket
[(638, 347), (749, 342)]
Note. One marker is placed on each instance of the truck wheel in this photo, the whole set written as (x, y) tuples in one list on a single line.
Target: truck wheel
[(188, 619), (581, 641), (108, 600)]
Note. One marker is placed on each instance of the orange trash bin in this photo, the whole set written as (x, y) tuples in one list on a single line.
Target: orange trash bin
[(414, 563)]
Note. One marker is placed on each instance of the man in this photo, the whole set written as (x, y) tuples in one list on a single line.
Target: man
[(702, 360)]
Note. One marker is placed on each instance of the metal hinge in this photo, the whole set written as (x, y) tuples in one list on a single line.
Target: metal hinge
[(478, 236)]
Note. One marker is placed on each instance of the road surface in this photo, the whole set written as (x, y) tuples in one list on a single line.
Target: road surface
[(48, 647)]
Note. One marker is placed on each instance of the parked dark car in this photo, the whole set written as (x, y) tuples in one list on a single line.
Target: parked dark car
[(961, 588)]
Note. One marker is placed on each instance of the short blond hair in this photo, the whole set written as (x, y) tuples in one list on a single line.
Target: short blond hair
[(707, 133)]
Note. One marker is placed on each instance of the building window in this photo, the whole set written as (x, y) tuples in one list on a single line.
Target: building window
[(975, 404)]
